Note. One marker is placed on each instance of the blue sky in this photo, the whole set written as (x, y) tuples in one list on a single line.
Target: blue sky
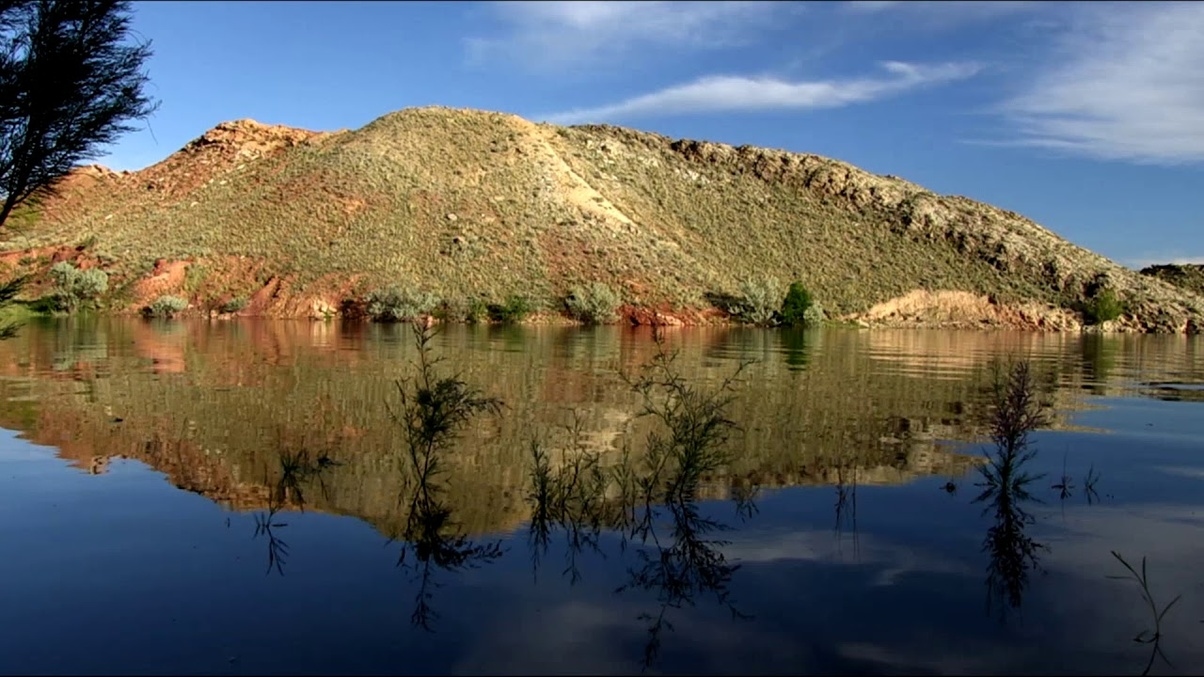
[(1086, 117)]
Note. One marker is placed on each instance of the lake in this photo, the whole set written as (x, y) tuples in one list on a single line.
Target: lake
[(238, 498)]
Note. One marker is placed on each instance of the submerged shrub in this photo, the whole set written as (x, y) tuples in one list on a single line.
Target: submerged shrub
[(759, 301), (73, 286), (796, 304), (397, 305), (595, 304), (1103, 307), (165, 306), (515, 309)]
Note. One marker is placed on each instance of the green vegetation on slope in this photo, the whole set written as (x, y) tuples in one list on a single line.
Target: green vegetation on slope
[(469, 204)]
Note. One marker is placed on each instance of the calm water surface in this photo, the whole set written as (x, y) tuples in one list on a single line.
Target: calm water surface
[(151, 523)]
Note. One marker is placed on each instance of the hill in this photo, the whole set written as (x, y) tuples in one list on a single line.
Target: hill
[(1185, 276), (460, 203)]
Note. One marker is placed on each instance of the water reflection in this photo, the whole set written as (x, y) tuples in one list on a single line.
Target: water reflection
[(628, 485), (846, 502), (1005, 489), (651, 504), (1153, 635), (297, 473), (433, 410), (249, 390)]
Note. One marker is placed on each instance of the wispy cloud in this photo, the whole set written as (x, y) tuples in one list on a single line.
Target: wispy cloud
[(728, 93), (1125, 82), (1154, 260), (567, 34), (959, 10)]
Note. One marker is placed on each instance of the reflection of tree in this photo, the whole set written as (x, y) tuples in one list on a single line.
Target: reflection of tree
[(432, 412), (1005, 484), (1099, 358), (846, 502), (297, 470), (794, 344), (651, 505)]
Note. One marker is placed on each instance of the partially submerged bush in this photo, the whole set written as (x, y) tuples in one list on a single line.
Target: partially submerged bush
[(1105, 306), (514, 310), (165, 306), (759, 302), (594, 304), (397, 305), (73, 286), (796, 304)]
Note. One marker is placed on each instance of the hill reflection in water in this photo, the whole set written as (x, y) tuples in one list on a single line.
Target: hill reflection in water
[(210, 405)]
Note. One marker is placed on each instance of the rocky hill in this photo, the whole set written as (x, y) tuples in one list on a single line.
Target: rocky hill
[(460, 203), (1186, 276)]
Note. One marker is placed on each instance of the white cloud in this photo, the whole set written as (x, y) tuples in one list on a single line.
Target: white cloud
[(728, 93), (566, 34), (1154, 260), (1125, 82)]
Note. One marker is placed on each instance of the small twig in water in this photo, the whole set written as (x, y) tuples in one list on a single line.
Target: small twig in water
[(1145, 636), (1089, 485), (1064, 485)]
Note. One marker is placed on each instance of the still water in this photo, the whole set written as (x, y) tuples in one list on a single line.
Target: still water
[(229, 498)]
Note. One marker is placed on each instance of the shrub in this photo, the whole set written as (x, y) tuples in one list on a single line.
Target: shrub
[(194, 277), (595, 304), (759, 301), (165, 306), (476, 309), (814, 315), (234, 305), (471, 310), (514, 310), (796, 304), (1103, 307), (397, 305), (73, 286)]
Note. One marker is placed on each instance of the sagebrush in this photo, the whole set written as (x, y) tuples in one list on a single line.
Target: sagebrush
[(760, 300), (400, 305), (595, 303), (166, 306), (74, 287)]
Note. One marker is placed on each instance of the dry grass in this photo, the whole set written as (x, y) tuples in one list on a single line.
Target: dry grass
[(460, 203)]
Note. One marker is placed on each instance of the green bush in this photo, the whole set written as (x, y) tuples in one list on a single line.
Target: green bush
[(814, 315), (165, 306), (1103, 307), (476, 310), (595, 304), (759, 301), (514, 310), (795, 306), (234, 305), (397, 305), (73, 286)]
